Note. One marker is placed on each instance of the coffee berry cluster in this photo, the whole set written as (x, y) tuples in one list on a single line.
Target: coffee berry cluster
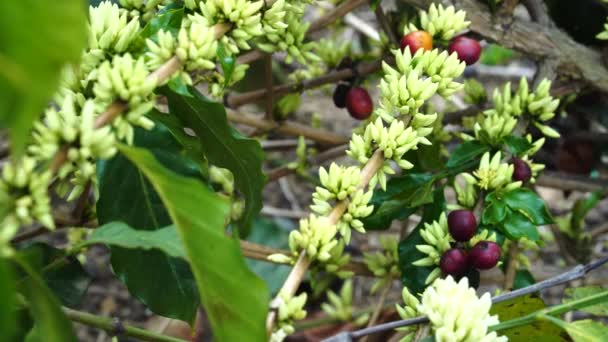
[(456, 247)]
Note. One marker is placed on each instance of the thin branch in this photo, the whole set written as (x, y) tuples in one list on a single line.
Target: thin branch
[(564, 181), (575, 273), (322, 136), (362, 69), (320, 158), (511, 266), (379, 305), (269, 92), (386, 26), (336, 13), (116, 328), (301, 266)]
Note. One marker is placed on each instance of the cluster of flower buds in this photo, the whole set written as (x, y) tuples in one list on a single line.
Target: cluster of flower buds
[(384, 264), (455, 248), (290, 309), (440, 22), (316, 236), (394, 141), (284, 30), (23, 198), (339, 184), (538, 105), (340, 306), (493, 174)]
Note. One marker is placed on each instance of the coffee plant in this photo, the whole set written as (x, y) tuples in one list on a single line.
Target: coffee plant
[(120, 137)]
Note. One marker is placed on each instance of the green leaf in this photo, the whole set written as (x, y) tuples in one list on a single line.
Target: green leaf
[(494, 212), (190, 143), (50, 320), (65, 276), (168, 288), (493, 54), (7, 309), (523, 278), (402, 195), (581, 209), (224, 147), (518, 146), (227, 62), (122, 235), (271, 233), (517, 225), (235, 299), (521, 306), (168, 19), (37, 39), (528, 202), (465, 152), (600, 309), (582, 331), (414, 277)]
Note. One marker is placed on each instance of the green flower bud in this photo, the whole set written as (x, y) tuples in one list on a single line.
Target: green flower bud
[(126, 79), (109, 30)]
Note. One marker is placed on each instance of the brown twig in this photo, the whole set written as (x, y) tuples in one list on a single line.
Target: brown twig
[(386, 26), (511, 266), (362, 69), (379, 306), (323, 137)]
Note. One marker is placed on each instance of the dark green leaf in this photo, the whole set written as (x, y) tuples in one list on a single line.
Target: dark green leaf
[(122, 235), (169, 19), (414, 277), (37, 39), (494, 212), (168, 288), (517, 145), (66, 278), (402, 194), (275, 234), (7, 309), (517, 225), (235, 299), (600, 309), (227, 62), (176, 128), (521, 306), (530, 203), (224, 147), (465, 152), (523, 278), (50, 320)]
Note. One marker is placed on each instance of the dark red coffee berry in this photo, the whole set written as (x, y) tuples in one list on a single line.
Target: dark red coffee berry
[(340, 95), (462, 225), (454, 262), (359, 103), (521, 170), (417, 40), (484, 255), (467, 49)]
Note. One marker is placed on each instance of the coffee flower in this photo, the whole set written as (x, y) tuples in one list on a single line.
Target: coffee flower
[(384, 264), (457, 314)]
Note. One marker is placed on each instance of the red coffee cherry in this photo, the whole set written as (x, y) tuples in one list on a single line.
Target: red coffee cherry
[(462, 225), (467, 49), (340, 95), (484, 255), (454, 262), (521, 170), (417, 40), (359, 103)]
